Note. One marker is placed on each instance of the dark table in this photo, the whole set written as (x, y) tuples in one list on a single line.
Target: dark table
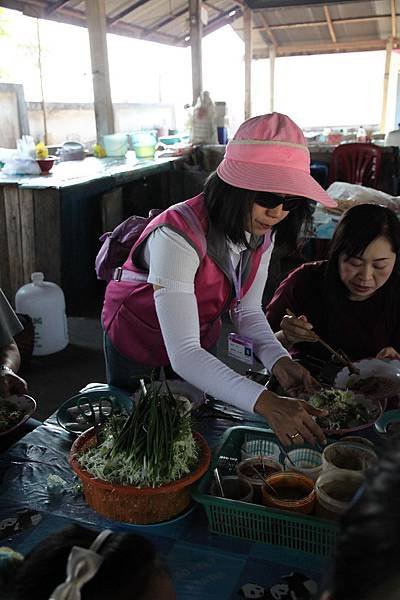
[(204, 566)]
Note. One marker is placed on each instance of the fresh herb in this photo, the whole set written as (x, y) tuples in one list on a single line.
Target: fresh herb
[(152, 447)]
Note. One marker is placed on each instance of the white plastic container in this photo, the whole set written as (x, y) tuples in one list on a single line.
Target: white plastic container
[(260, 447), (44, 302), (306, 461), (335, 490), (116, 144), (347, 456)]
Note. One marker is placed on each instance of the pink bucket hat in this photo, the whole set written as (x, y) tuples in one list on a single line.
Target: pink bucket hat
[(269, 153)]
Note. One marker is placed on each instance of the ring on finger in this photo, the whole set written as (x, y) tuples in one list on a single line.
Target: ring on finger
[(292, 437)]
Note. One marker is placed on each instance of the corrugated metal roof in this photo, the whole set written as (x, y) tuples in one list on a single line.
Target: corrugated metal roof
[(302, 29)]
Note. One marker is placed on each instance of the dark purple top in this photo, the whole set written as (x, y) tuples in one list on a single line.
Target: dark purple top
[(360, 329)]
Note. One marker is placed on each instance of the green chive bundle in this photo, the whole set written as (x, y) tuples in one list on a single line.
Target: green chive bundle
[(154, 446)]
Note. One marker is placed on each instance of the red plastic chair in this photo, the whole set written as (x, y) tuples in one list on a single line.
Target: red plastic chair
[(356, 163)]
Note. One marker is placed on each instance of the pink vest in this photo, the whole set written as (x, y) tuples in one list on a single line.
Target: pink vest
[(129, 316)]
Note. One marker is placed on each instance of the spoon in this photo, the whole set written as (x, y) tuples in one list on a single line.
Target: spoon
[(285, 454), (273, 490), (219, 483)]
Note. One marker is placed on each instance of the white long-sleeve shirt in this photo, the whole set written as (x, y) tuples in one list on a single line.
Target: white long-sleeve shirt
[(172, 264)]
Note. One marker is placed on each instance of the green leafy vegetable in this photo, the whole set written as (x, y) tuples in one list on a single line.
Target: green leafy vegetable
[(345, 409)]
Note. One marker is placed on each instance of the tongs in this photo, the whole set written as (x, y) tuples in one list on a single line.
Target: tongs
[(340, 356)]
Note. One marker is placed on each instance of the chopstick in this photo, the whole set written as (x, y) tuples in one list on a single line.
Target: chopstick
[(339, 356), (264, 481)]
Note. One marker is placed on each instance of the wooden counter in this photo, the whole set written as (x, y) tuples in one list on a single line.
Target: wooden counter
[(52, 223)]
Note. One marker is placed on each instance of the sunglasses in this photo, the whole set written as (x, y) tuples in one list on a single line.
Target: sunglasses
[(271, 200)]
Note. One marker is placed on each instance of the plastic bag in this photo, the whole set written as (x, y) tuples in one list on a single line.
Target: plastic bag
[(23, 161), (349, 194), (21, 166)]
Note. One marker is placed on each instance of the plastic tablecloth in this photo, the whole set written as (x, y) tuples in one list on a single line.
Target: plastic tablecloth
[(203, 565)]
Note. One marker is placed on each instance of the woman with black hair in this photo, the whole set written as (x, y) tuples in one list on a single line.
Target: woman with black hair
[(79, 563), (352, 300), (210, 255)]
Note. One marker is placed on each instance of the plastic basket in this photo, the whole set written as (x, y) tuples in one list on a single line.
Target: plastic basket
[(258, 523)]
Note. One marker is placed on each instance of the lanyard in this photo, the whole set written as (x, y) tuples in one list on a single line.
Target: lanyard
[(237, 283)]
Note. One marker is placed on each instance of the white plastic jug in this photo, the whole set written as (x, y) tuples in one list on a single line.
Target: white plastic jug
[(44, 302)]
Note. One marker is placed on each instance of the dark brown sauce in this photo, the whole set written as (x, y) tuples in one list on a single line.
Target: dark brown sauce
[(286, 492)]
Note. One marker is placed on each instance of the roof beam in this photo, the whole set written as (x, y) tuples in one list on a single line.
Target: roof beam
[(323, 48), (267, 28), (278, 4), (179, 13), (329, 23), (54, 7), (213, 7), (121, 14), (223, 19), (349, 21)]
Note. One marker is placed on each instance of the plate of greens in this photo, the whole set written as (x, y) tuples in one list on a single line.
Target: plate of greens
[(348, 411), (14, 411)]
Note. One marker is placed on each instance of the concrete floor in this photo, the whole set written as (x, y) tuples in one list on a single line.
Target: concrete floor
[(55, 378)]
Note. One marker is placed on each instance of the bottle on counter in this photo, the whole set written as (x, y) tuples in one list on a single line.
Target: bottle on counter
[(361, 134), (204, 122)]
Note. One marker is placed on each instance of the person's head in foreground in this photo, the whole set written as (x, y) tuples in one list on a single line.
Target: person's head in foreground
[(363, 254), (79, 563), (264, 181), (367, 559)]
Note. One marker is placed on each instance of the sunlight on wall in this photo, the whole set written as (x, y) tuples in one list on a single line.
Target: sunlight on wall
[(324, 90)]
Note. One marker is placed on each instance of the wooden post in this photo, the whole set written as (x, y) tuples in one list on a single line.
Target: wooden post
[(196, 34), (103, 109), (389, 48), (272, 56), (45, 136), (248, 54)]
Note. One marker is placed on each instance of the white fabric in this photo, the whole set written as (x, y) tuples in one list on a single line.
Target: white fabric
[(168, 253), (173, 260), (82, 566)]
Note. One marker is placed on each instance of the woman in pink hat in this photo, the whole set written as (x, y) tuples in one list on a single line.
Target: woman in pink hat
[(209, 255)]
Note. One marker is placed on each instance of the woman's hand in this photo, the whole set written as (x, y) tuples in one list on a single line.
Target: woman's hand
[(11, 383), (296, 329), (291, 419), (388, 352), (293, 377)]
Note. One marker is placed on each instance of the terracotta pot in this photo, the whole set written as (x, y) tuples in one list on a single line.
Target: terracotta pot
[(132, 504)]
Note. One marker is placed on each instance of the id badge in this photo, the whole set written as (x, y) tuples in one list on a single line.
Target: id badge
[(240, 347)]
